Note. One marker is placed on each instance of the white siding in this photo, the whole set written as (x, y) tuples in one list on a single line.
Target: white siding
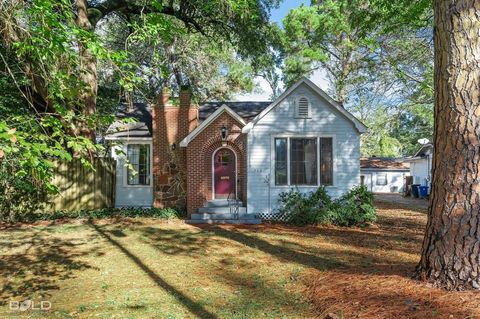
[(127, 195), (395, 180), (420, 170), (262, 194)]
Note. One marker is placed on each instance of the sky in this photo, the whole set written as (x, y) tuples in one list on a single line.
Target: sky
[(263, 91)]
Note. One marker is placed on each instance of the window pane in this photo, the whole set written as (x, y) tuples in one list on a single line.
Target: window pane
[(281, 161), (303, 161), (382, 179), (326, 161), (139, 157)]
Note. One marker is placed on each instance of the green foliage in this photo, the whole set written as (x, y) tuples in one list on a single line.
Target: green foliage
[(166, 213), (355, 208), (378, 57)]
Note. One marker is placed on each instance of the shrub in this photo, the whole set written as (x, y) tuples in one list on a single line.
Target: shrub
[(166, 213), (355, 208), (20, 193), (305, 209)]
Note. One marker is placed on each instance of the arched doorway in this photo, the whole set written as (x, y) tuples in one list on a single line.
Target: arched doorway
[(224, 173)]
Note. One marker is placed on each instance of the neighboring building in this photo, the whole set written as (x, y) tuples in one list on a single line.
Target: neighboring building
[(249, 152), (383, 175), (421, 165)]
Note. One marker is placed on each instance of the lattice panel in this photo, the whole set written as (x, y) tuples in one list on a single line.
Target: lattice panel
[(277, 217)]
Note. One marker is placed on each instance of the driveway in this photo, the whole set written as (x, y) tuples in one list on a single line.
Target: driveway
[(397, 199)]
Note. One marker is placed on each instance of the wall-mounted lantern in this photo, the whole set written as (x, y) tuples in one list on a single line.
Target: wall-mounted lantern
[(224, 133)]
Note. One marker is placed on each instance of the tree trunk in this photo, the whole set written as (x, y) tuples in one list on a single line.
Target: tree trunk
[(451, 247), (88, 71)]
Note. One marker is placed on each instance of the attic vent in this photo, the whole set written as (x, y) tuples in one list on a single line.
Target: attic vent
[(303, 107)]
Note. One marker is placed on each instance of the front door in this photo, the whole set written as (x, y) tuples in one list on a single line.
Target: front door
[(224, 163)]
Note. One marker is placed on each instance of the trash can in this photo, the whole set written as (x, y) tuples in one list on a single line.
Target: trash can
[(423, 191), (415, 191)]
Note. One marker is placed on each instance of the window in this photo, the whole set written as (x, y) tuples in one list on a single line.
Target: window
[(281, 175), (139, 158), (326, 161), (297, 161), (303, 107), (303, 161), (381, 179)]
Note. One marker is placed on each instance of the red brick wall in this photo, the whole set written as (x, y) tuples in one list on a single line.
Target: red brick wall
[(199, 161), (170, 125)]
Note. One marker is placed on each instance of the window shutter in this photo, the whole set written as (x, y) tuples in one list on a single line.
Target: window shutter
[(302, 108)]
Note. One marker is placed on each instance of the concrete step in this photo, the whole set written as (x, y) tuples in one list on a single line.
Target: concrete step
[(207, 216), (219, 203), (225, 221), (221, 210)]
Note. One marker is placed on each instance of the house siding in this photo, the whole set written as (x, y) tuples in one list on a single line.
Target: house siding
[(128, 196), (395, 180), (324, 120)]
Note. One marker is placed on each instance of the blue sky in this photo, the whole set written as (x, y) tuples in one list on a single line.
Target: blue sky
[(263, 91), (278, 14)]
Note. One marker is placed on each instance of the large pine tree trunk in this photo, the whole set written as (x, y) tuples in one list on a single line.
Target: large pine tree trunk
[(88, 71), (450, 254)]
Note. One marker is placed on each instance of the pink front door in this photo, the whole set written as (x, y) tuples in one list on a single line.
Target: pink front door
[(224, 164)]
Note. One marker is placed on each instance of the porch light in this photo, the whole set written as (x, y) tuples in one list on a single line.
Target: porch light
[(224, 133)]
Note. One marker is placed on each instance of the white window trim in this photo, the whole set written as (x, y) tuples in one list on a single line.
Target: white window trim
[(306, 135), (297, 104), (125, 168)]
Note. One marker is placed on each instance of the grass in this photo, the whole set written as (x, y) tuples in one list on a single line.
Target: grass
[(144, 268)]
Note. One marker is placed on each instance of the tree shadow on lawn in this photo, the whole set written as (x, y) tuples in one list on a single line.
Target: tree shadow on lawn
[(193, 307), (33, 262), (244, 282)]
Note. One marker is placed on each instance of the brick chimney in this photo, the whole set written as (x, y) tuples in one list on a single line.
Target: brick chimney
[(171, 124)]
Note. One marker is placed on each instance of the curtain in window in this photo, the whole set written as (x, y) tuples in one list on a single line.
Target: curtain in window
[(281, 177), (139, 158), (303, 161), (326, 161)]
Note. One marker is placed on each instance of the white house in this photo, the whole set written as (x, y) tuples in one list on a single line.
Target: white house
[(206, 157), (383, 175), (421, 165)]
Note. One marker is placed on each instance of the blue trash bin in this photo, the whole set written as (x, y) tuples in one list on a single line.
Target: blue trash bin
[(423, 191), (415, 191)]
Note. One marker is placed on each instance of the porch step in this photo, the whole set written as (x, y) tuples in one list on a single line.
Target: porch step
[(221, 210), (220, 203), (207, 216), (225, 221)]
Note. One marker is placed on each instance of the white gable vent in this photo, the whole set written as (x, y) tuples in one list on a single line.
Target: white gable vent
[(303, 107)]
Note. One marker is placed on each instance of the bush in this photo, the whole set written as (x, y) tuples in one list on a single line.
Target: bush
[(166, 213), (20, 193), (355, 208)]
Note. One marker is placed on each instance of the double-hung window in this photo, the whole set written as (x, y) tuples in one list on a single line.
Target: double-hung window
[(304, 161), (138, 172)]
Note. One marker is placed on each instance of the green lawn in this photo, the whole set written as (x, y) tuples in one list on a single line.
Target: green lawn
[(145, 268)]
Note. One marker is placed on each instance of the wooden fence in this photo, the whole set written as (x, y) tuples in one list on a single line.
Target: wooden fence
[(83, 188)]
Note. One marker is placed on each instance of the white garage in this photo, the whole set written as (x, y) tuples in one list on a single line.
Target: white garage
[(383, 175)]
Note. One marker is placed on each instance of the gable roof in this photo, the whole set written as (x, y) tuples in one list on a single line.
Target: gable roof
[(424, 150), (383, 163), (335, 105), (247, 110), (143, 114), (224, 108), (142, 128)]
